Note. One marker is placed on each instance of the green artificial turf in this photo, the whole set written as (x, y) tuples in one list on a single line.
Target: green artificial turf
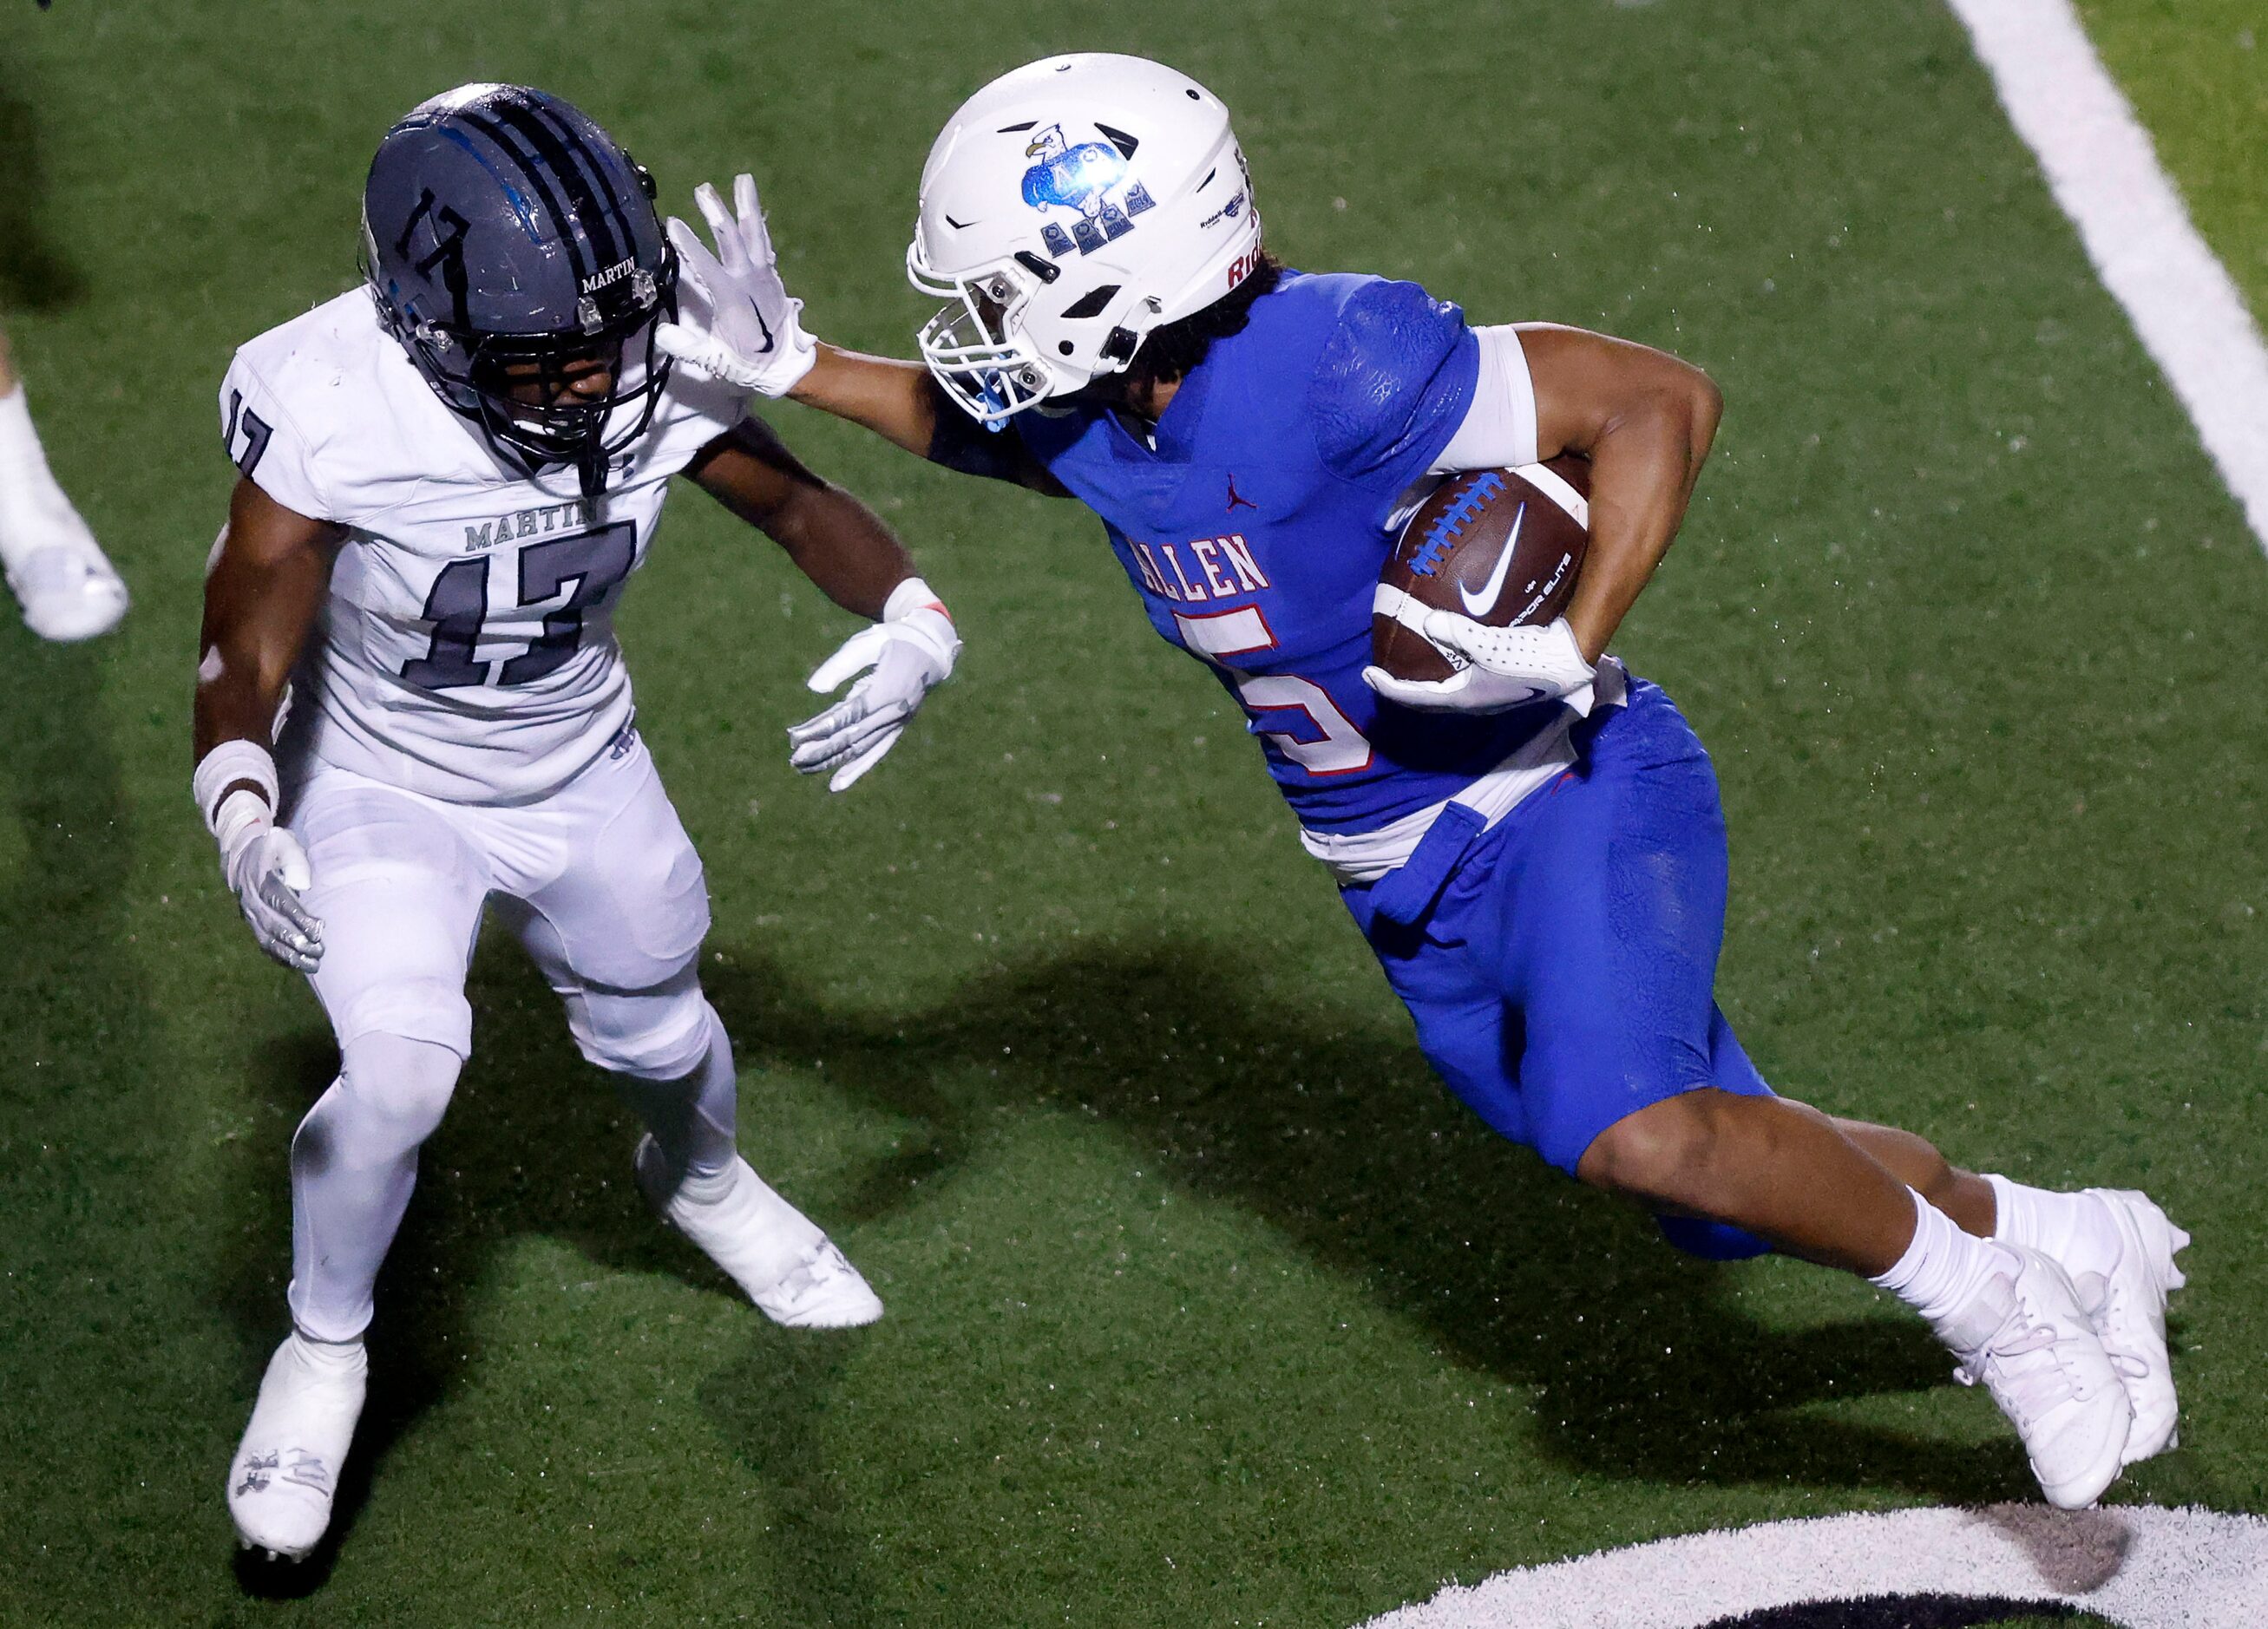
[(1206, 1304), (2197, 71)]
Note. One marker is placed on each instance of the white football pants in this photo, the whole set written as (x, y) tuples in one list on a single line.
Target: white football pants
[(599, 881)]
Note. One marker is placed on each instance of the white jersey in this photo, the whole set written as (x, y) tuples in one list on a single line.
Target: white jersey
[(467, 648)]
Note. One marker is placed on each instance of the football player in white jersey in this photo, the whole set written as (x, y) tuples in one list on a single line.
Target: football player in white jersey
[(54, 567), (411, 704)]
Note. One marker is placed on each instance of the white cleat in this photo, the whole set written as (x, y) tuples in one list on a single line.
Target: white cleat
[(61, 578), (790, 1269), (2127, 1306), (68, 594), (286, 1470), (2027, 1342)]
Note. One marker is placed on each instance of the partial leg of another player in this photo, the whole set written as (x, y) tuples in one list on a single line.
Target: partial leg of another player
[(56, 570)]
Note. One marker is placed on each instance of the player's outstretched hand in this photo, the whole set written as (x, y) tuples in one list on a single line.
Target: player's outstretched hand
[(1503, 668), (266, 868), (909, 653), (738, 323)]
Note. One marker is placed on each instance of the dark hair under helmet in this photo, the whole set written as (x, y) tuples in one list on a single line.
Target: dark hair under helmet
[(502, 228)]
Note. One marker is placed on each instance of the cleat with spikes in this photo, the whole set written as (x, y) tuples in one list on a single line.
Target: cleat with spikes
[(285, 1471)]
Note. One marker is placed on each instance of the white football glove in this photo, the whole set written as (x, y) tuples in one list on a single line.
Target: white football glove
[(741, 328), (263, 864), (910, 651), (268, 869), (1498, 668)]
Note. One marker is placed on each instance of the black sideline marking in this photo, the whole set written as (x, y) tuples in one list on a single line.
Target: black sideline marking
[(1897, 1612)]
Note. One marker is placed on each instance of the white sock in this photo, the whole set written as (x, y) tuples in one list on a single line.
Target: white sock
[(1944, 1269), (34, 510), (21, 456), (2076, 1229)]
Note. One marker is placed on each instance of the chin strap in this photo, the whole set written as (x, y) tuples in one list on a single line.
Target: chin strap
[(591, 469)]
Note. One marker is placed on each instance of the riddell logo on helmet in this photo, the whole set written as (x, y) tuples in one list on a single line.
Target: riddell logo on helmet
[(1244, 265), (616, 273)]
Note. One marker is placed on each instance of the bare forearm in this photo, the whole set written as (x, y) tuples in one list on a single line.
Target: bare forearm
[(835, 539), (892, 398), (244, 658), (261, 596), (232, 707), (1645, 420), (240, 685), (1642, 467), (843, 547)]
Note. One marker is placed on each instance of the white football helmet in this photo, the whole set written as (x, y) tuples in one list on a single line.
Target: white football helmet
[(1068, 208)]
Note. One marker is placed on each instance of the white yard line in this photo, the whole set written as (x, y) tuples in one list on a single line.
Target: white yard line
[(2102, 169), (2138, 1566)]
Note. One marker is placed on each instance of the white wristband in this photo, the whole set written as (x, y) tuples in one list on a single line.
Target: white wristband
[(240, 817), (908, 597), (223, 767)]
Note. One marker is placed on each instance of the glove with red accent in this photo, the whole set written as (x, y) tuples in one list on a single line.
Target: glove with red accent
[(910, 652)]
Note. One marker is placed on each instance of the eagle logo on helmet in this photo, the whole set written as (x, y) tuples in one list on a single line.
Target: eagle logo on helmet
[(1080, 177)]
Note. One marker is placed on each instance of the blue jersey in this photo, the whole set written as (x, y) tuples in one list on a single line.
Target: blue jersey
[(1254, 525), (1254, 530)]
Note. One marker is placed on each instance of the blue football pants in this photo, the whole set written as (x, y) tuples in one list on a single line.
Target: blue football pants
[(1564, 976)]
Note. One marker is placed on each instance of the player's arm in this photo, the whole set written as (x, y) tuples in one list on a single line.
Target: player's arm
[(896, 400), (900, 401), (1645, 420), (835, 539), (263, 592), (740, 326), (858, 563)]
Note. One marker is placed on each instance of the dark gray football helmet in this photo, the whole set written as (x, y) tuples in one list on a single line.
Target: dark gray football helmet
[(509, 241)]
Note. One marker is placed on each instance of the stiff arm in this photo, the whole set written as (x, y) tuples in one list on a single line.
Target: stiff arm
[(900, 402)]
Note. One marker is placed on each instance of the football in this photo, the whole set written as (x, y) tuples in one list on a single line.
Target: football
[(1502, 545)]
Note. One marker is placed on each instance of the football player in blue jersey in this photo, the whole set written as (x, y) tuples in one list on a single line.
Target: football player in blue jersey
[(1535, 846)]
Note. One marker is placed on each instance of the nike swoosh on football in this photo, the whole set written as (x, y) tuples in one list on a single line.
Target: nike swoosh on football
[(1478, 606)]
